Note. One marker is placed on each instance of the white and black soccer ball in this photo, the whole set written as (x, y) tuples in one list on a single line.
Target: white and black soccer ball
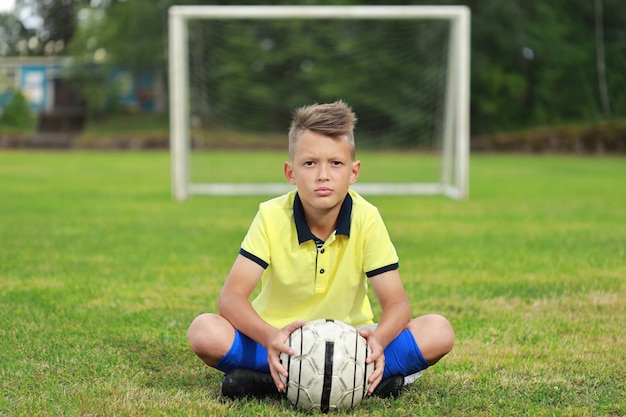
[(328, 370)]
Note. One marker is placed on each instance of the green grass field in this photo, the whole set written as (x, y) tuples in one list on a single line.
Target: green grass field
[(101, 273)]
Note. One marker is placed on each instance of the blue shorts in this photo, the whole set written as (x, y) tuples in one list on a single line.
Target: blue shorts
[(402, 356)]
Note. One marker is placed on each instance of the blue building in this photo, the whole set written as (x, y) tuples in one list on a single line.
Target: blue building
[(61, 112), (41, 81), (34, 77)]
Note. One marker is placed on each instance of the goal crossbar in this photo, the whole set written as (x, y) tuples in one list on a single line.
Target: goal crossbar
[(318, 12), (454, 180)]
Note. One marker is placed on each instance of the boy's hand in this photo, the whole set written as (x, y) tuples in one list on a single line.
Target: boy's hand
[(275, 345), (377, 356)]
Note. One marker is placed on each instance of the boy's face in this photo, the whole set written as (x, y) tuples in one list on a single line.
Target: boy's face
[(322, 169)]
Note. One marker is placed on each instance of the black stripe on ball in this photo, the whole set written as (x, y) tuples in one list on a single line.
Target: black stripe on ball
[(288, 367), (328, 376), (365, 369), (300, 367), (356, 355)]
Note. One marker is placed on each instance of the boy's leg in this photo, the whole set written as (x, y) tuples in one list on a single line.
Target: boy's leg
[(210, 337), (220, 346), (403, 364), (425, 340), (243, 360), (404, 357), (244, 353), (434, 336)]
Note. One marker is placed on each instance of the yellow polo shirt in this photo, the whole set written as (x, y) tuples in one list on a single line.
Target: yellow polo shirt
[(304, 282)]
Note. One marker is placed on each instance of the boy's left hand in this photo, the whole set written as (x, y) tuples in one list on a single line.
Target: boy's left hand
[(377, 356)]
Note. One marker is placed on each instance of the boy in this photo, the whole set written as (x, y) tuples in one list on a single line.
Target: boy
[(315, 250)]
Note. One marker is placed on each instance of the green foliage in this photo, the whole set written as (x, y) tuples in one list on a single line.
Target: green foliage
[(101, 94), (14, 36), (134, 35), (17, 113), (277, 66), (533, 62), (101, 273), (58, 17)]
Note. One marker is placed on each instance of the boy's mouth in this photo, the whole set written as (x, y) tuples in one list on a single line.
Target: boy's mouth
[(323, 191)]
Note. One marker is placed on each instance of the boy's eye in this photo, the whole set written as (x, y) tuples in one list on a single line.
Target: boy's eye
[(336, 163), (308, 163)]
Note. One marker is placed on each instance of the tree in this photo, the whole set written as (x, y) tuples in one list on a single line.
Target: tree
[(57, 21), (14, 36), (17, 113), (533, 62), (601, 58), (118, 35)]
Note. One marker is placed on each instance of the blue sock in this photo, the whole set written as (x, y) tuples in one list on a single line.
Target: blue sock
[(244, 353), (403, 356)]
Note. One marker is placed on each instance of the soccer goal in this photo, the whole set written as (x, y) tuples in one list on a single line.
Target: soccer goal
[(237, 72)]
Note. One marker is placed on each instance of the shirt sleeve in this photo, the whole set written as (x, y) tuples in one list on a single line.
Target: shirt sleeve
[(379, 253), (255, 245)]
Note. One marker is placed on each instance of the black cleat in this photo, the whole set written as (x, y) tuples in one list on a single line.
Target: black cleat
[(390, 387), (240, 383)]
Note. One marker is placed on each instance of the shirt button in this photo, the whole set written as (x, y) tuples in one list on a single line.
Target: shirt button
[(322, 271), (322, 251)]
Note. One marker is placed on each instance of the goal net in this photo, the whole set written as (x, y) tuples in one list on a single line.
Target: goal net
[(237, 72)]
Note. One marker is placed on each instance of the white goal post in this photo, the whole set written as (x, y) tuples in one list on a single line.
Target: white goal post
[(454, 171)]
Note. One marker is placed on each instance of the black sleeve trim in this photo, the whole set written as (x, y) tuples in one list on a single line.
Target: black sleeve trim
[(254, 258), (379, 271)]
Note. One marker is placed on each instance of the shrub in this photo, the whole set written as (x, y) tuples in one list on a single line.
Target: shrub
[(17, 113)]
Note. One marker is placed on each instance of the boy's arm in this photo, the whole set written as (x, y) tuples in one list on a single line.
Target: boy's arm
[(234, 306), (396, 311), (396, 314)]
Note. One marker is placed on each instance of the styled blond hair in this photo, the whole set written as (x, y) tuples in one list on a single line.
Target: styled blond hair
[(335, 120)]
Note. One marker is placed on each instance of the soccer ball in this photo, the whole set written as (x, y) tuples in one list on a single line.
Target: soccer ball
[(328, 370)]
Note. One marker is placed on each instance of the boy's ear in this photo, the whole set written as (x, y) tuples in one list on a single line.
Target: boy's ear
[(356, 170), (288, 171)]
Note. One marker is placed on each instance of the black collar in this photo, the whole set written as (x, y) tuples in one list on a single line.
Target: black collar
[(304, 232)]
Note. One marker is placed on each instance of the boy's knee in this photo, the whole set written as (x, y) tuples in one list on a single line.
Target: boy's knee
[(209, 333), (197, 331), (434, 334), (445, 332)]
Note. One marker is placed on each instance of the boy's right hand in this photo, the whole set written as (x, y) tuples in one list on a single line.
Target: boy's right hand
[(275, 346)]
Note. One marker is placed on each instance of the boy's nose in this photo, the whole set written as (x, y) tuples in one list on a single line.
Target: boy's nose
[(322, 174)]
